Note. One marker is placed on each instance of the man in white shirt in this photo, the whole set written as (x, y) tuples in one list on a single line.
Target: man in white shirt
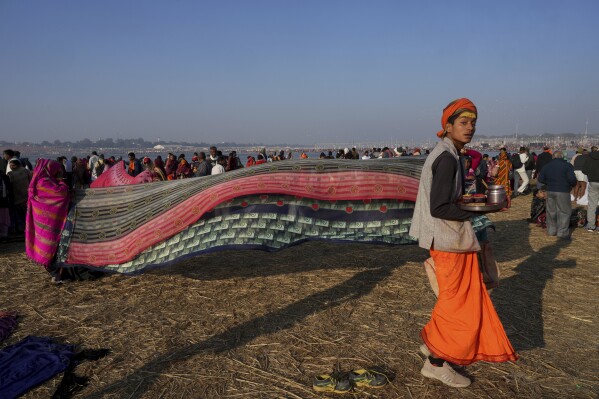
[(522, 171), (219, 167)]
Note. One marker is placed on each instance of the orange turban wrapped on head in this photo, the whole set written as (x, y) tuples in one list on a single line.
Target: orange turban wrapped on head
[(456, 107)]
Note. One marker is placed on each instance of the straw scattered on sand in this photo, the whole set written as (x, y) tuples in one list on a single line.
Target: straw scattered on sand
[(249, 324)]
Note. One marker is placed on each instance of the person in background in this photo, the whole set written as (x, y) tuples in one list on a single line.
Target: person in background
[(80, 174), (233, 162), (133, 166), (159, 163), (19, 182), (5, 195), (591, 169), (204, 167), (475, 163), (213, 155), (219, 168), (520, 172), (543, 159), (70, 167), (6, 157), (469, 176), (529, 167), (503, 172), (577, 162), (98, 168), (183, 168), (146, 164), (157, 174), (91, 163), (171, 166), (558, 176), (492, 167), (24, 161), (261, 159), (195, 160), (48, 193), (464, 327), (481, 173)]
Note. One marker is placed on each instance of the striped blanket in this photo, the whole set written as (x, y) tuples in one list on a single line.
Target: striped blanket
[(130, 228)]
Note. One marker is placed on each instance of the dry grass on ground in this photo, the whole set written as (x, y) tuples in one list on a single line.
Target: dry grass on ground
[(248, 324)]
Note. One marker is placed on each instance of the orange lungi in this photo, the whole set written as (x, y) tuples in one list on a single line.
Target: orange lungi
[(464, 327)]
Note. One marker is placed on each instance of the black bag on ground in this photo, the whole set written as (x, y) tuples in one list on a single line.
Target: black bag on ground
[(537, 207)]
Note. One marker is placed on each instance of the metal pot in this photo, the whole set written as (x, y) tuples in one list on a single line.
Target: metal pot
[(496, 194)]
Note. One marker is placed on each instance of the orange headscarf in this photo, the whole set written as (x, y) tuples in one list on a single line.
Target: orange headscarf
[(456, 107)]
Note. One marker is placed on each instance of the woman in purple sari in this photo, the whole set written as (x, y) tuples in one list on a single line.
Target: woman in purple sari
[(47, 209)]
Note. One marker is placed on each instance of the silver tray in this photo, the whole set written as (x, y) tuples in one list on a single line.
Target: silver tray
[(481, 206)]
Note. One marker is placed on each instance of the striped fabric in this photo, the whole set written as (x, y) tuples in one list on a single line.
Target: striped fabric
[(271, 206)]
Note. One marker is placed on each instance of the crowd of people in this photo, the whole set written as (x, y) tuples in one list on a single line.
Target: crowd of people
[(514, 171)]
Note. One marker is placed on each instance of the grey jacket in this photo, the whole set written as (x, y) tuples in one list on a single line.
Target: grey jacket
[(434, 233)]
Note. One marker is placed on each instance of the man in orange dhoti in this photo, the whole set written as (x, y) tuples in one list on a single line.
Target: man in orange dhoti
[(464, 327)]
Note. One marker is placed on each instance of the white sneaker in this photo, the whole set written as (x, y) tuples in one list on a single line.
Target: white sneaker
[(445, 374), (424, 350)]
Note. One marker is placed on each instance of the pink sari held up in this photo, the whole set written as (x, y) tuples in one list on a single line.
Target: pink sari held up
[(47, 208)]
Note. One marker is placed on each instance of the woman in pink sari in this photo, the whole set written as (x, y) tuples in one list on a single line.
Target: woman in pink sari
[(47, 209)]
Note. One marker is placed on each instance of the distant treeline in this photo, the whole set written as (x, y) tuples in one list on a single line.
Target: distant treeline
[(132, 143), (124, 143)]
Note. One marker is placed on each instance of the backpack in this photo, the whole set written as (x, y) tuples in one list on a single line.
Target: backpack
[(516, 162)]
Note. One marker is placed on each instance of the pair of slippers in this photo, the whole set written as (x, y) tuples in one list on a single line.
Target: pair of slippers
[(345, 382)]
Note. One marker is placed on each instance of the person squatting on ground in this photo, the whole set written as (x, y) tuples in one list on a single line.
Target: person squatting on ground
[(591, 169), (558, 176), (464, 327)]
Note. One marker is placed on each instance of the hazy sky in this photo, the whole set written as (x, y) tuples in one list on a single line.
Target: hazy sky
[(293, 71)]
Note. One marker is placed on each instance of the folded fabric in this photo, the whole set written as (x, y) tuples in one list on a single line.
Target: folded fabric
[(30, 362)]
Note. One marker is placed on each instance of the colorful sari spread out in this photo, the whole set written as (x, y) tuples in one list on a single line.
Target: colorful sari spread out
[(48, 205), (130, 228), (117, 176)]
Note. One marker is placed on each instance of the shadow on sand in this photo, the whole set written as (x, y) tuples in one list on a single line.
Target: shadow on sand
[(519, 298), (135, 384)]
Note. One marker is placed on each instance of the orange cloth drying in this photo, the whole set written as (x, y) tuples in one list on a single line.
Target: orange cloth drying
[(464, 327), (456, 106)]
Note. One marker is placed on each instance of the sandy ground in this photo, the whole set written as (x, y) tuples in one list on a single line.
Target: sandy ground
[(249, 324)]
